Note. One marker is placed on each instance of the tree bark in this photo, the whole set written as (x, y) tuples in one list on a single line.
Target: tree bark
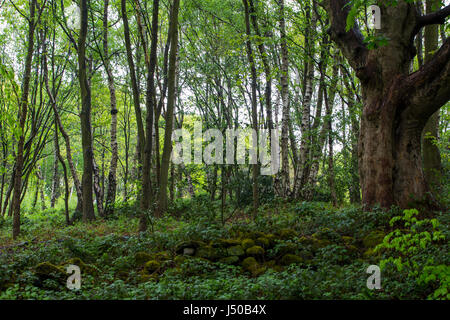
[(284, 81), (397, 103), (254, 102), (23, 107), (85, 116), (151, 61), (112, 180), (171, 95)]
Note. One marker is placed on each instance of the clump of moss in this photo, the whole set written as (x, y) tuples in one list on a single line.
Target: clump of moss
[(151, 266), (287, 247), (373, 239), (247, 243), (263, 242), (84, 267), (230, 260), (320, 243), (163, 256), (287, 234), (225, 243), (255, 251), (143, 277), (235, 251), (250, 264), (289, 259), (48, 269), (209, 253)]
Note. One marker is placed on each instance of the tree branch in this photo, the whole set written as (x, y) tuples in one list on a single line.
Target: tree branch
[(430, 85), (351, 42), (437, 17)]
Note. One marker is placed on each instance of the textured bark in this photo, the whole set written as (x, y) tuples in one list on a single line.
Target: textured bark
[(112, 180), (150, 103), (99, 195), (23, 106), (254, 102), (305, 145), (134, 85), (171, 96), (55, 178), (284, 81), (397, 103), (85, 116), (41, 186)]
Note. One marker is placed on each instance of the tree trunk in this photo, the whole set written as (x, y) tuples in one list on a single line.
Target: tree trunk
[(112, 181), (23, 106), (134, 86), (55, 178), (150, 103), (254, 102), (171, 95), (86, 129), (284, 81), (397, 103), (303, 166)]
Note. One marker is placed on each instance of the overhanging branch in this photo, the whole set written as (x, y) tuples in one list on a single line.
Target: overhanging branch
[(437, 17), (430, 85), (351, 42)]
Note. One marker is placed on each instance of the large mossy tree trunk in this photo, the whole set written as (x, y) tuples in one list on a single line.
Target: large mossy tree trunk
[(397, 103)]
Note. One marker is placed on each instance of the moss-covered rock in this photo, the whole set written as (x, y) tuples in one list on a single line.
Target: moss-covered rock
[(289, 259), (85, 268), (287, 234), (225, 243), (229, 260), (235, 251), (263, 242), (320, 243), (145, 277), (249, 262), (151, 266), (255, 251), (373, 239), (209, 253), (48, 269), (163, 256), (142, 257), (189, 247), (287, 247), (247, 243)]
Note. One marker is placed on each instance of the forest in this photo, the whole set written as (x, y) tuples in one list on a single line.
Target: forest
[(224, 149)]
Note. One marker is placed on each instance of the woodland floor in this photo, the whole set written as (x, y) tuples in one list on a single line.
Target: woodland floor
[(297, 250)]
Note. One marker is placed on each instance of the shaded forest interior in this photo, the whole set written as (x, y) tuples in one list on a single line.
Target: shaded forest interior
[(356, 93)]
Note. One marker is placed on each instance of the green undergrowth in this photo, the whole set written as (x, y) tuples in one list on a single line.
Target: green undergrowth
[(298, 250)]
